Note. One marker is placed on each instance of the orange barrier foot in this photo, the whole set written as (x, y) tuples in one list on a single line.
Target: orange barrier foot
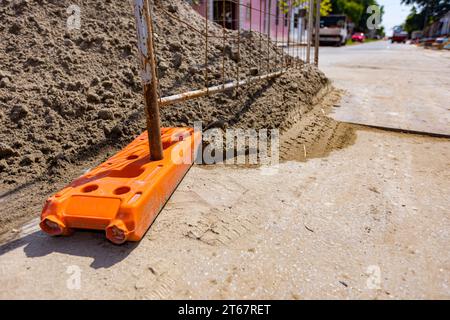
[(124, 195)]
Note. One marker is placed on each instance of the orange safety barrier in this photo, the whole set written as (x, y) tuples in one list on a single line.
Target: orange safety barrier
[(123, 195)]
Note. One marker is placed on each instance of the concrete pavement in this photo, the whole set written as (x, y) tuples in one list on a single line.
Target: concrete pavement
[(369, 221), (398, 86)]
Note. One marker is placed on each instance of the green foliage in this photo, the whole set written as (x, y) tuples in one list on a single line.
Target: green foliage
[(431, 8), (425, 12), (352, 9), (415, 21), (356, 10), (325, 5)]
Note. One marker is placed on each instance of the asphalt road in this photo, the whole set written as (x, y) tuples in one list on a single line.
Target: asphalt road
[(397, 86), (369, 221)]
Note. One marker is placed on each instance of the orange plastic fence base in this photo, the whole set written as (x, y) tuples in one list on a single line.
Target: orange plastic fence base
[(124, 195)]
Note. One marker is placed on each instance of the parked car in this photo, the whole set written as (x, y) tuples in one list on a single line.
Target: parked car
[(334, 29), (399, 35), (415, 35), (359, 36)]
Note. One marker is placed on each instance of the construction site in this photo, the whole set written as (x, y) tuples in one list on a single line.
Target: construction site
[(214, 150)]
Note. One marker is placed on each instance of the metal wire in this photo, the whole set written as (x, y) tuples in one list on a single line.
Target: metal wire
[(224, 42), (227, 15)]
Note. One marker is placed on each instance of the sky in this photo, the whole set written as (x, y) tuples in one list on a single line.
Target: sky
[(394, 14)]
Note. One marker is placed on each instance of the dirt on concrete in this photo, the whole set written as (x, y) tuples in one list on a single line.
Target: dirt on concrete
[(71, 99), (66, 94), (314, 134), (367, 222)]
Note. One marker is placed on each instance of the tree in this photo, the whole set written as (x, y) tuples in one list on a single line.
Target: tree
[(325, 5), (415, 21), (353, 9), (356, 10), (429, 10)]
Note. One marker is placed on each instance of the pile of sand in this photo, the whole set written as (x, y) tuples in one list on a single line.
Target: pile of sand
[(65, 94)]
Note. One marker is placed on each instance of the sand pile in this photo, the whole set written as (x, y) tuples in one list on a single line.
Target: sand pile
[(65, 94)]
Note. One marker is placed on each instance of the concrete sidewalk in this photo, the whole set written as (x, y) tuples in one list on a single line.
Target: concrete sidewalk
[(369, 221)]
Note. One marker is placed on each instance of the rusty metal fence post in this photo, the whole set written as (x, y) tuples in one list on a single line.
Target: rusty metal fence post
[(289, 30), (144, 27), (206, 44), (238, 77), (317, 34), (294, 43), (310, 28)]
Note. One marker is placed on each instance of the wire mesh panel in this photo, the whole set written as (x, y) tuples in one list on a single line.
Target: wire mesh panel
[(243, 41)]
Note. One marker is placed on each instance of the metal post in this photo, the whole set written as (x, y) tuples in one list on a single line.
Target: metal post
[(317, 34), (298, 42), (148, 73), (239, 39), (282, 40), (310, 28), (206, 44), (185, 96), (224, 35), (268, 8), (260, 40), (289, 29), (277, 22), (302, 33)]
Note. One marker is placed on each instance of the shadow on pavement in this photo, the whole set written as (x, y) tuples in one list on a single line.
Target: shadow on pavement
[(82, 244)]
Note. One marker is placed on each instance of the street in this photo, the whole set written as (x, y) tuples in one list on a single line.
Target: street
[(367, 221), (391, 85)]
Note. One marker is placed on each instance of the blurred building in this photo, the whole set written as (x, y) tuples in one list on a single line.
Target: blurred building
[(265, 16), (439, 28)]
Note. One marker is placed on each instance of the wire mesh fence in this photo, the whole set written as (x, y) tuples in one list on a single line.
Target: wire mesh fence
[(282, 36), (243, 41)]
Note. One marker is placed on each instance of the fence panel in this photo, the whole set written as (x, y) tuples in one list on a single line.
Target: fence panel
[(280, 33)]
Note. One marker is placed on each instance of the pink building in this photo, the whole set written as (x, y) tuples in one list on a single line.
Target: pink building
[(257, 15)]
